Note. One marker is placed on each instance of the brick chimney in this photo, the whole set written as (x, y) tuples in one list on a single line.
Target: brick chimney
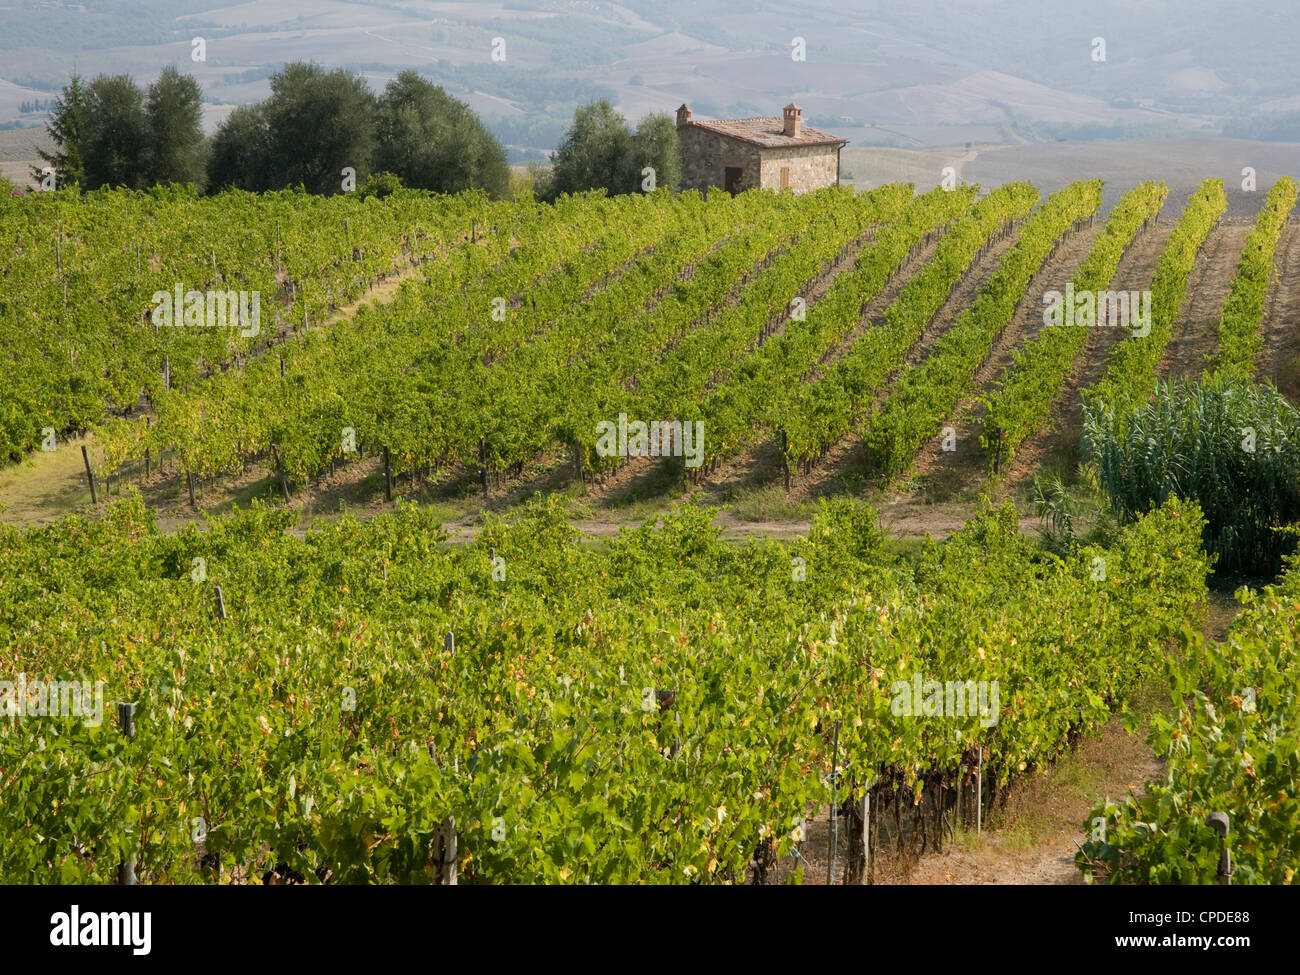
[(683, 116), (793, 121)]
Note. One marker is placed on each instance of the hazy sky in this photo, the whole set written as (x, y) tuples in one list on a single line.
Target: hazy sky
[(1005, 66)]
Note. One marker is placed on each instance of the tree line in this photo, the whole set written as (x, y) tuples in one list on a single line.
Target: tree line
[(109, 132), (317, 122), (601, 151)]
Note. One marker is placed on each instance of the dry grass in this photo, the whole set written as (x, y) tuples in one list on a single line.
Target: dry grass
[(45, 486)]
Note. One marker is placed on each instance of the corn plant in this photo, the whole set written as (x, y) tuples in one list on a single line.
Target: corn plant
[(1056, 509), (1228, 444)]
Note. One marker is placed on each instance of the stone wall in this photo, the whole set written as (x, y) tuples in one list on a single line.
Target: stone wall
[(811, 167), (707, 155)]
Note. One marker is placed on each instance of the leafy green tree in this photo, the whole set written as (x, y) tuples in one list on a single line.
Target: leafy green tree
[(176, 144), (379, 185), (596, 153), (116, 133), (434, 142), (656, 145), (319, 123), (239, 152), (66, 129)]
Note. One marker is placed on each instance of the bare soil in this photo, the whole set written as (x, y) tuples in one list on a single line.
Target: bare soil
[(1280, 360), (841, 468), (1196, 333), (943, 474), (1033, 838), (761, 463), (1057, 446), (919, 257)]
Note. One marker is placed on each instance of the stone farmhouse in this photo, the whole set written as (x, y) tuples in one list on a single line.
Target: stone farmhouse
[(769, 153)]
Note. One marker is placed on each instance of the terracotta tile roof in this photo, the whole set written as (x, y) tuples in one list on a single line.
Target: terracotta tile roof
[(769, 133)]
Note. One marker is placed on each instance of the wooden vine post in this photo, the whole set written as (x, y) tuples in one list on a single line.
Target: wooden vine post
[(785, 458), (835, 822), (126, 722), (90, 477), (1218, 821), (279, 470), (866, 832), (446, 853), (960, 816)]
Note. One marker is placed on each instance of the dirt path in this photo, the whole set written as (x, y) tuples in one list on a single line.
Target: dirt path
[(1196, 333), (919, 257), (816, 290), (1033, 838), (874, 166), (1281, 357), (967, 157), (962, 296), (378, 294), (897, 522), (640, 478), (1057, 446), (52, 485), (941, 474), (843, 461), (761, 462), (45, 486), (384, 289)]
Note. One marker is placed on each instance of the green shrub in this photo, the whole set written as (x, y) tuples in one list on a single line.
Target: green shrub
[(1228, 444)]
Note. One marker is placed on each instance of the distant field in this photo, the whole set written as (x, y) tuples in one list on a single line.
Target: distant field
[(872, 166), (873, 75), (18, 153), (1180, 163)]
